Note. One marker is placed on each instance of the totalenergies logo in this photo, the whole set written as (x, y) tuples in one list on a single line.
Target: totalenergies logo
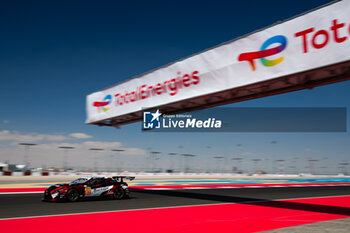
[(145, 91), (102, 105), (265, 52)]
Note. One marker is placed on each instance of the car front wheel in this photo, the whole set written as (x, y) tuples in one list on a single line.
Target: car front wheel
[(72, 195)]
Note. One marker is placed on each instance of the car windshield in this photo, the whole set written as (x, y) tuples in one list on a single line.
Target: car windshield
[(80, 181)]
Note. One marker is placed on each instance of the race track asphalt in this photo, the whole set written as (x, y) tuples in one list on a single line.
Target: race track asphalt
[(27, 205)]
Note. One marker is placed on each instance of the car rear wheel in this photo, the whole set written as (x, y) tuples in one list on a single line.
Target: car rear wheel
[(72, 195), (119, 193)]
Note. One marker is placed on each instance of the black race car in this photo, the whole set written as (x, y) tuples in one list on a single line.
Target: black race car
[(112, 187)]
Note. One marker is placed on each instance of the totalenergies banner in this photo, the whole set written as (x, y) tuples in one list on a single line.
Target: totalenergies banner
[(313, 40)]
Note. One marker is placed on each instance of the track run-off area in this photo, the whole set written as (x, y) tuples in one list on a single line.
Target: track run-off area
[(203, 207)]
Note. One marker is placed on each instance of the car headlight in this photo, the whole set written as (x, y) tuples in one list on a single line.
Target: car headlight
[(54, 195)]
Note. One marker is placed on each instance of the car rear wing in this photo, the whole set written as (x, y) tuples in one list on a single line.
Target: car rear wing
[(121, 178)]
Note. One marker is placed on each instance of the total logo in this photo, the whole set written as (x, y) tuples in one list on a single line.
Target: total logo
[(103, 105), (311, 39), (265, 52)]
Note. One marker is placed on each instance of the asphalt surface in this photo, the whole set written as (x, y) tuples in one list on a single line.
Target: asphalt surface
[(26, 205), (338, 225)]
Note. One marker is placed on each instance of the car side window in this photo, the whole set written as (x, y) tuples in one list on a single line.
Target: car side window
[(92, 182), (98, 181), (109, 181), (89, 182), (102, 181)]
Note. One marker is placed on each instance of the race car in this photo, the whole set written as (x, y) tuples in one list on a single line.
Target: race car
[(85, 187)]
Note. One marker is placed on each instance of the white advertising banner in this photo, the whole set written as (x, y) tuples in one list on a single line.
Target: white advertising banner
[(315, 39)]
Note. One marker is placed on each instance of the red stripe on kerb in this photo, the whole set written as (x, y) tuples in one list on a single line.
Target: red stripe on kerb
[(223, 218), (21, 190)]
